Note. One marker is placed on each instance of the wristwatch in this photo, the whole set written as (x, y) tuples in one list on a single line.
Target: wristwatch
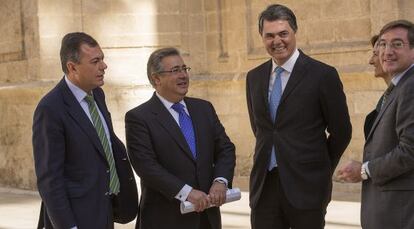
[(364, 174), (220, 181)]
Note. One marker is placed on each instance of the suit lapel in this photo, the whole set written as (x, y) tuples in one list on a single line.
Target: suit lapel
[(77, 113), (390, 100), (198, 120), (296, 76), (264, 78), (164, 118)]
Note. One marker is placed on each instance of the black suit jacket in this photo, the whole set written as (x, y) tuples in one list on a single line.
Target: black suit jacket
[(311, 131), (161, 157), (369, 121), (71, 167)]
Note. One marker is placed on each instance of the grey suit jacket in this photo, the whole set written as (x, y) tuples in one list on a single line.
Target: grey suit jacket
[(162, 158), (388, 196), (313, 103)]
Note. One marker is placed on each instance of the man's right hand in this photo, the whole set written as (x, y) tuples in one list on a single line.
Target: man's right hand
[(199, 199), (350, 172)]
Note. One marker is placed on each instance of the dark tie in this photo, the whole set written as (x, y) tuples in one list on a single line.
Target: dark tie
[(384, 97), (97, 122), (274, 101), (186, 127)]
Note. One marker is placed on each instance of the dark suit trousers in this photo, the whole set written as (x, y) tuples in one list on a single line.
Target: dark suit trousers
[(274, 210), (204, 222)]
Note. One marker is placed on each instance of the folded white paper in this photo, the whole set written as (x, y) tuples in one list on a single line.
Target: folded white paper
[(231, 195)]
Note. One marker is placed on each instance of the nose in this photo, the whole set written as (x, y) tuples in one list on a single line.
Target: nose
[(183, 74), (276, 40), (104, 66), (388, 49)]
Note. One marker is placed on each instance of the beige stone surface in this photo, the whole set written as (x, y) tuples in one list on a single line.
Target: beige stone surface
[(17, 104)]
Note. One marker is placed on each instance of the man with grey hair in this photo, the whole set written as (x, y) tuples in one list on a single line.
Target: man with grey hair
[(179, 149), (299, 117)]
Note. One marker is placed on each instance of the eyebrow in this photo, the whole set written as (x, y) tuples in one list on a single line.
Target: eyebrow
[(395, 39), (97, 58), (177, 66)]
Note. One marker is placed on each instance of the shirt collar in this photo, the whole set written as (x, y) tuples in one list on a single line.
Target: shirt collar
[(77, 92), (167, 103), (398, 76), (289, 64)]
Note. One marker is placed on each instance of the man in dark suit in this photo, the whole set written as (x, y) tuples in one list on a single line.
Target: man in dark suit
[(83, 173), (378, 72), (387, 171), (345, 172), (179, 149), (300, 119)]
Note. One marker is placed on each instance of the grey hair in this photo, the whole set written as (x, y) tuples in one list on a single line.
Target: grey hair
[(154, 64)]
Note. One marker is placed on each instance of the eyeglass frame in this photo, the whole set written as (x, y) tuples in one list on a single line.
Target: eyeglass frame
[(175, 70), (395, 44)]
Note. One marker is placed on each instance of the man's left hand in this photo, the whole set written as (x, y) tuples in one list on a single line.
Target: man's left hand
[(217, 194)]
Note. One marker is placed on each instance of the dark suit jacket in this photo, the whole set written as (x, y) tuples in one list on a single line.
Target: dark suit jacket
[(311, 131), (387, 196), (369, 121), (71, 167), (161, 157)]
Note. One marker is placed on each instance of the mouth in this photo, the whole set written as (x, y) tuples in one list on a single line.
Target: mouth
[(183, 84), (278, 49), (386, 61)]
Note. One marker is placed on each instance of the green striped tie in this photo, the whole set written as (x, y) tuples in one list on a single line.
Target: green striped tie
[(97, 122)]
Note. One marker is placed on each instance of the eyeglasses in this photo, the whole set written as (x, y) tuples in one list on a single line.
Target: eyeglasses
[(393, 44), (176, 70)]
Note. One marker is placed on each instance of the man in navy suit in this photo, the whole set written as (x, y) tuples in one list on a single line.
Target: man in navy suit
[(179, 149), (299, 117), (83, 173)]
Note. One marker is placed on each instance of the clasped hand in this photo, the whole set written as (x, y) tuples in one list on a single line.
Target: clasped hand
[(350, 172), (216, 197)]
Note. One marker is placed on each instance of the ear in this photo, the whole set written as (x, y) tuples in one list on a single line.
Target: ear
[(156, 79), (72, 68)]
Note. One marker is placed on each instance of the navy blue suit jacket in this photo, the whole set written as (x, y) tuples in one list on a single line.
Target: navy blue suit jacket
[(71, 168)]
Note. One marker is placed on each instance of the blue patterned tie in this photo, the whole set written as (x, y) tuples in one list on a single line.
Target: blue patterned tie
[(274, 100), (186, 127)]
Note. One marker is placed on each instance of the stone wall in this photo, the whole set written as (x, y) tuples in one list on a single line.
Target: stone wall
[(218, 39)]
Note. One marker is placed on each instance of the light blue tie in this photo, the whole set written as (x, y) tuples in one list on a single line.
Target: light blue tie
[(186, 126), (274, 101)]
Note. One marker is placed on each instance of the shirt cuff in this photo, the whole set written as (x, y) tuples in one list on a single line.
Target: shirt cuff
[(222, 180), (365, 166), (184, 192)]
